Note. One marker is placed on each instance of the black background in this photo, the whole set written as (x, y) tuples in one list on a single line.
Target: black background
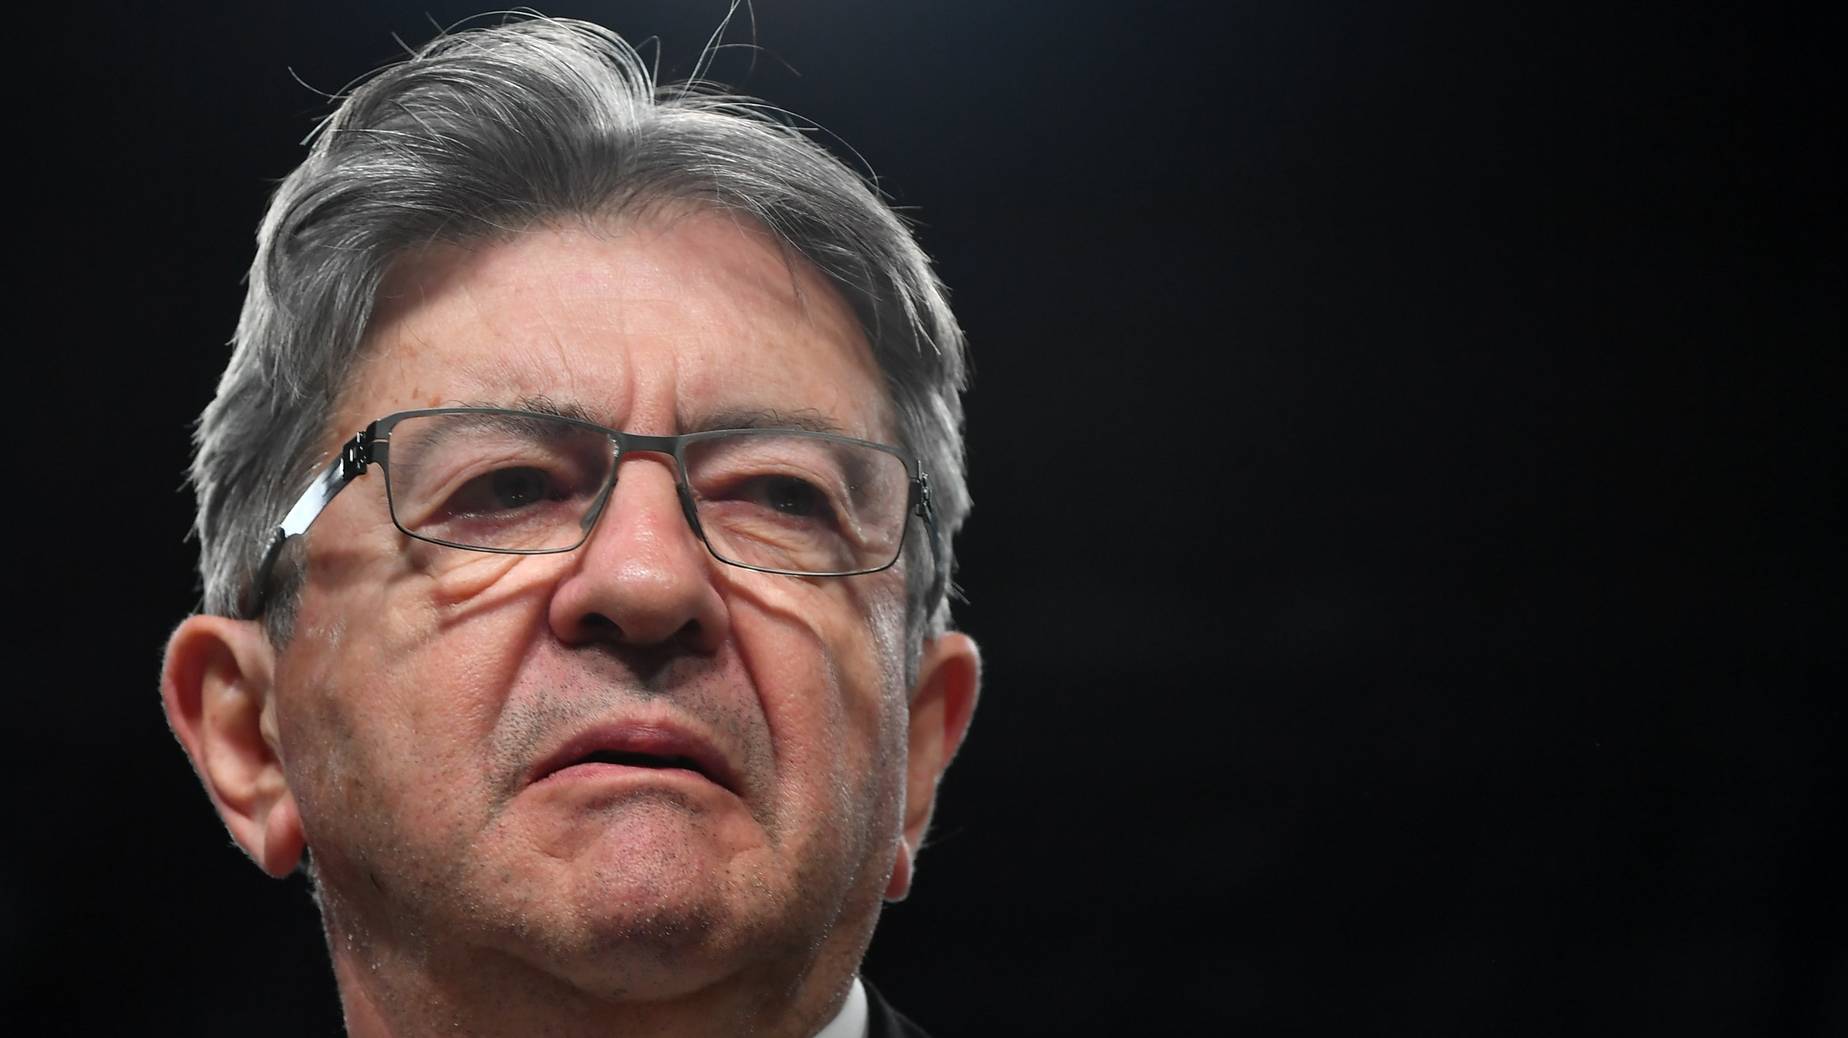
[(1407, 446)]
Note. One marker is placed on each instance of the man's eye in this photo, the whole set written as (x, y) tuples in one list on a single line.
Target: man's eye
[(503, 490), (787, 495)]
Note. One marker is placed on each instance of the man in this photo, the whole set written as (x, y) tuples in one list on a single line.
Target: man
[(575, 516)]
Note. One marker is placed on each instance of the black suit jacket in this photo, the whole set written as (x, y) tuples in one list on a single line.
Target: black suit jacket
[(882, 1021)]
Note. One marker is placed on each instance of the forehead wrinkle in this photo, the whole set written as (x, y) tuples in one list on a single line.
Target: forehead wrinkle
[(733, 267), (807, 293), (710, 284), (553, 337)]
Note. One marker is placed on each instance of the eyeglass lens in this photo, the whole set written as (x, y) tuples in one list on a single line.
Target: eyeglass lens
[(772, 499)]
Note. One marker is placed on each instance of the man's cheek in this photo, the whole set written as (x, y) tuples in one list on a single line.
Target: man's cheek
[(354, 721), (459, 579), (451, 638), (782, 635), (329, 770)]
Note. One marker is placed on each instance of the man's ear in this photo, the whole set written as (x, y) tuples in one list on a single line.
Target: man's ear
[(949, 679), (216, 688)]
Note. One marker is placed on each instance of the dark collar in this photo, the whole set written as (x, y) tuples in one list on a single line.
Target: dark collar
[(882, 1021)]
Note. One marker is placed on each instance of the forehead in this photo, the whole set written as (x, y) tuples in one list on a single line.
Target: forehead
[(652, 326)]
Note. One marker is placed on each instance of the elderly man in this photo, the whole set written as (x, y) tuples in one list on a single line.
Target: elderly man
[(575, 516)]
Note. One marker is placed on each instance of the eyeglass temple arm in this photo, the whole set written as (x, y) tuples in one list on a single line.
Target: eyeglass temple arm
[(352, 461), (929, 514)]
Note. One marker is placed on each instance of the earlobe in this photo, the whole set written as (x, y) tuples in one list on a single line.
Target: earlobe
[(942, 704), (898, 885), (283, 840), (216, 689)]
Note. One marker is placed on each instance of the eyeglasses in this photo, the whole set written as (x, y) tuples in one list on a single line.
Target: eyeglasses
[(788, 501)]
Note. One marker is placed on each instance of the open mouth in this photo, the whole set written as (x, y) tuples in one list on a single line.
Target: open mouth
[(654, 746), (633, 759)]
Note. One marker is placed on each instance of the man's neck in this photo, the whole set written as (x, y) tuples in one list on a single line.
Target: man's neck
[(850, 1022), (495, 1003)]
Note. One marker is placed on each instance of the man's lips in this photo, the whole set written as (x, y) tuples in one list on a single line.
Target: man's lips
[(652, 744)]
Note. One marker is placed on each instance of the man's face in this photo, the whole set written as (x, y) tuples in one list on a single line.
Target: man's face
[(429, 695)]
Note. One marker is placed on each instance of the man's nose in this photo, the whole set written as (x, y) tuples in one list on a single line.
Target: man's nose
[(643, 578)]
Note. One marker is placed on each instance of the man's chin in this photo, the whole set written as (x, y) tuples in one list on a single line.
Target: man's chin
[(658, 903), (662, 947), (654, 833)]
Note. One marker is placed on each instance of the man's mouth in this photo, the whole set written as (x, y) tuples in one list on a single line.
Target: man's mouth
[(637, 760), (658, 746)]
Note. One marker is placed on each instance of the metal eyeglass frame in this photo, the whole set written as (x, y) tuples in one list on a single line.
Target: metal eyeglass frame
[(372, 446)]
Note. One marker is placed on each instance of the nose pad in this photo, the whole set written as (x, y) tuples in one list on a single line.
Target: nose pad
[(687, 509), (595, 511)]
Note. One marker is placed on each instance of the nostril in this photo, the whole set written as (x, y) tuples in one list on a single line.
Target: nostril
[(596, 625)]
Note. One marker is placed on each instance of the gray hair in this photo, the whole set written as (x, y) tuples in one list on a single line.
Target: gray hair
[(482, 134)]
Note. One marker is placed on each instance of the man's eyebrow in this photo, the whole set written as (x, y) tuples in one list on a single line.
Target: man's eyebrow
[(547, 406), (806, 419), (766, 418)]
